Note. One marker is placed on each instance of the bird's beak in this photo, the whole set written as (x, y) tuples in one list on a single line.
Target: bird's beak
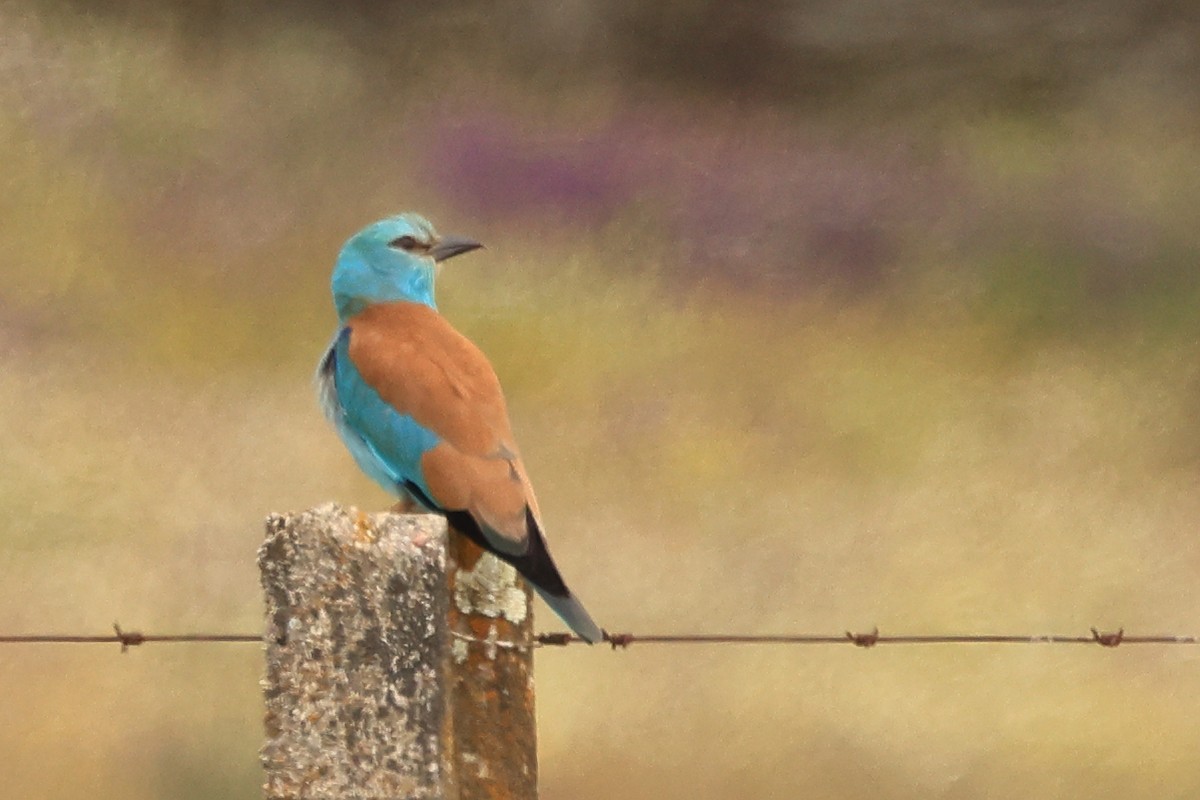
[(451, 246)]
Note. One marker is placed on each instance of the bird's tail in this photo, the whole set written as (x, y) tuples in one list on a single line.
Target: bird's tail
[(574, 614), (537, 567)]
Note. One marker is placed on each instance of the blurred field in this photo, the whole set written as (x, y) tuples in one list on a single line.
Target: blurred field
[(779, 362)]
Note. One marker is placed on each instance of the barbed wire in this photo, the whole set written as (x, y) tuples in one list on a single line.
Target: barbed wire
[(125, 638), (874, 637), (622, 641)]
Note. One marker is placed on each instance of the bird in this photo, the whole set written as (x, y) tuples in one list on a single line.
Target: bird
[(420, 408)]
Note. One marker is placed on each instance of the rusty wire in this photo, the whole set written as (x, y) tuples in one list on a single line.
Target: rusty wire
[(125, 638), (871, 639), (874, 637), (622, 641)]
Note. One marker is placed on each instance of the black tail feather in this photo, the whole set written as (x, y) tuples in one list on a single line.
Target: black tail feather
[(535, 564)]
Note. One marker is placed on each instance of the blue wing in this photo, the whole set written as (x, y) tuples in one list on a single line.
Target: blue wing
[(386, 444)]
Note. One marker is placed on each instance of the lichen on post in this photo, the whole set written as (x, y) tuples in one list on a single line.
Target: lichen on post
[(389, 674), (491, 701)]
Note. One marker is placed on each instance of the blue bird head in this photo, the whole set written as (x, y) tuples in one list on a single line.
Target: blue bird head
[(390, 260)]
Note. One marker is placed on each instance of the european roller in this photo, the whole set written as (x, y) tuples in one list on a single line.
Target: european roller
[(420, 407)]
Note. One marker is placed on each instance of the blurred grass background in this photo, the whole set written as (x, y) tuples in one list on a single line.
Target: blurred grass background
[(811, 315)]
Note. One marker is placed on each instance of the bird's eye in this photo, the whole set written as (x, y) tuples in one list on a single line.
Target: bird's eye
[(404, 242)]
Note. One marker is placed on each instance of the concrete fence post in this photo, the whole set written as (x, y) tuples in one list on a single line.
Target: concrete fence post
[(396, 667)]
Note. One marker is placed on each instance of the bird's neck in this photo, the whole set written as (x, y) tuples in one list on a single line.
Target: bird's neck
[(356, 286), (349, 307)]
